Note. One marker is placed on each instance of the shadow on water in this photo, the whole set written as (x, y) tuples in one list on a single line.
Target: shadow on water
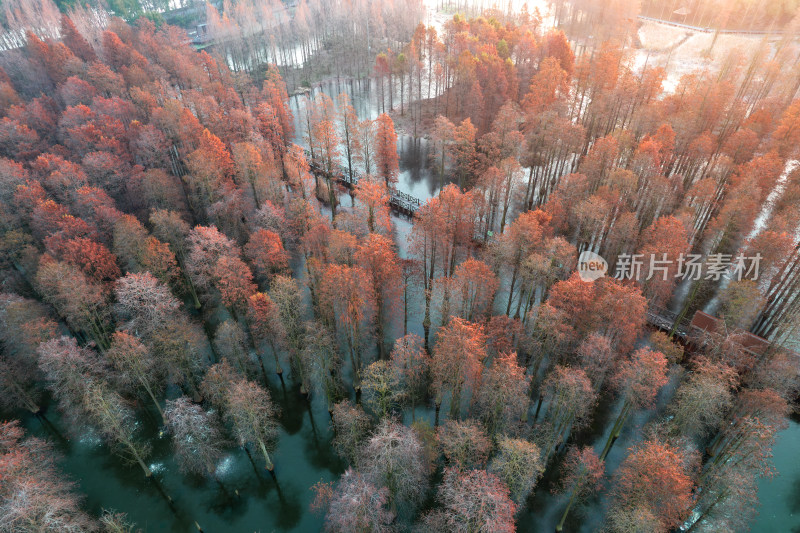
[(418, 176), (241, 500)]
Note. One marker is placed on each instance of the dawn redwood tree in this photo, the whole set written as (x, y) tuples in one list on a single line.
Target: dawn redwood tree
[(367, 145), (348, 131), (464, 445), (139, 252), (654, 478), (424, 244), (570, 399), (216, 383), (234, 280), (116, 422), (511, 172), (476, 500), (637, 381), (457, 363), (490, 183), (662, 342), (748, 433), (265, 251), (253, 417), (94, 259), (505, 335), (24, 325), (662, 243), (725, 346), (183, 346), (349, 303), (463, 151), (393, 457), (474, 285), (518, 463), (285, 293), (386, 158), (80, 301), (35, 494), (264, 319), (728, 499), (351, 427), (443, 134), (376, 255), (196, 437), (373, 198), (740, 303), (68, 369), (521, 238), (582, 475), (778, 371), (136, 368), (356, 504), (455, 222), (144, 304), (607, 307), (324, 141), (206, 246), (231, 343), (702, 400), (381, 385), (252, 171), (210, 170), (323, 363), (502, 399), (596, 358), (412, 363)]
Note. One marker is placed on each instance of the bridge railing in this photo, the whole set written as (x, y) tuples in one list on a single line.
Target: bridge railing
[(398, 199), (665, 319)]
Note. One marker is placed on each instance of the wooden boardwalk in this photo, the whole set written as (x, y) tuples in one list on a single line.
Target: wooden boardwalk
[(710, 30), (664, 319), (399, 202)]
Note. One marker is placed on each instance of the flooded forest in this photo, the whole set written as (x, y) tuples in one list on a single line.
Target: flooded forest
[(399, 266)]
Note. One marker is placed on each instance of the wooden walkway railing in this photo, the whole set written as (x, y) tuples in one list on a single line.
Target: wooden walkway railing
[(399, 201), (710, 30), (665, 320)]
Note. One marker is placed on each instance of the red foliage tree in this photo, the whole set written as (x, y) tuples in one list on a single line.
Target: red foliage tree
[(664, 241), (457, 363), (476, 500), (348, 302), (386, 158), (234, 280), (377, 256), (475, 285), (653, 477), (582, 475), (265, 325), (637, 381), (265, 250)]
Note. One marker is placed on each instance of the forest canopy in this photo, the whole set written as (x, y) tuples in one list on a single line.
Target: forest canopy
[(333, 262)]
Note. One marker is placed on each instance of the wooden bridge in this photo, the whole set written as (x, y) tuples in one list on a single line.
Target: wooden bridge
[(399, 202), (711, 30), (665, 320)]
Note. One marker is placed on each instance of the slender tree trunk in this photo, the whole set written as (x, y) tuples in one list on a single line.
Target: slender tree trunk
[(560, 526), (615, 431), (269, 466)]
